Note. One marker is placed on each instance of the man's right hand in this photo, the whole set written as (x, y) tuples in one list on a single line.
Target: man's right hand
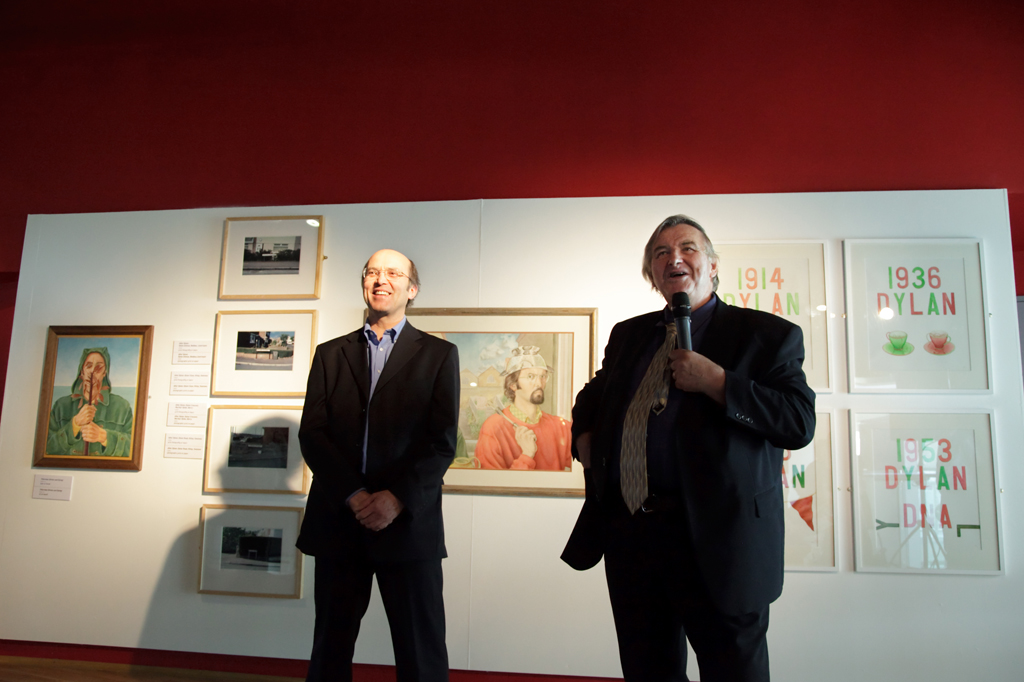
[(84, 416), (358, 501), (583, 449)]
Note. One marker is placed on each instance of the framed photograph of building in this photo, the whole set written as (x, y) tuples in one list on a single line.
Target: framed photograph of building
[(263, 353), (785, 279), (916, 316), (924, 493), (92, 407), (807, 483), (254, 450), (250, 551), (521, 369), (272, 257)]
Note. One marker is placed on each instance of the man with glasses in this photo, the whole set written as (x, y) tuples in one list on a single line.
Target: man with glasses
[(682, 453), (378, 432)]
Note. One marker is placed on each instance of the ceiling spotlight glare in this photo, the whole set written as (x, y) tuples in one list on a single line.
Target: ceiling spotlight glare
[(822, 307), (313, 221), (885, 313)]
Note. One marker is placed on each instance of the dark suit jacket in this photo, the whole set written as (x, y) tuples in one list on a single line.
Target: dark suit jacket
[(412, 430), (730, 459)]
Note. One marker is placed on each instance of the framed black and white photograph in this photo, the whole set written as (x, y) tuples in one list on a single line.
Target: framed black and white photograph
[(250, 551), (263, 353), (252, 449), (272, 257)]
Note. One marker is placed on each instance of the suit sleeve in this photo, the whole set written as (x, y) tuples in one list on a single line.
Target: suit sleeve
[(777, 404), (587, 407), (329, 465), (417, 487)]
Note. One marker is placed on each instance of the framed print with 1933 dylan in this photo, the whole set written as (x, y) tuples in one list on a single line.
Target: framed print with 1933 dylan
[(807, 484), (925, 493), (274, 257), (916, 316), (520, 371), (92, 407), (786, 279), (250, 551), (263, 353), (252, 449)]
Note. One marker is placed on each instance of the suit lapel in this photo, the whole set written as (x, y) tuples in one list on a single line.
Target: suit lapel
[(355, 355), (720, 340), (407, 345)]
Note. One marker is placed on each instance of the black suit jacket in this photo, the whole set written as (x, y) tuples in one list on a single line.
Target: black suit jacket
[(730, 458), (412, 430)]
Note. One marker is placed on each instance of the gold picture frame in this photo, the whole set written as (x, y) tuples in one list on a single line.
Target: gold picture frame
[(271, 257), (564, 341), (78, 407), (267, 363)]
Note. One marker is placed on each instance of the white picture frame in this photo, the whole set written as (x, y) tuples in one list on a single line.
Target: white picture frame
[(254, 449), (925, 493), (917, 320)]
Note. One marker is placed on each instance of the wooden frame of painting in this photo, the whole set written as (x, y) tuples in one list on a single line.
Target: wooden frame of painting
[(254, 449), (250, 551), (916, 316), (92, 406), (250, 362), (272, 257), (810, 516), (924, 493), (502, 449), (788, 280)]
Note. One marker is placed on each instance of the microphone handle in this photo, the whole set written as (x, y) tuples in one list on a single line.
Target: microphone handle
[(683, 333)]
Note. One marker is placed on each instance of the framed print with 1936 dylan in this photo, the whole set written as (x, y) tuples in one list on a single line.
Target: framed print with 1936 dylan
[(250, 551), (92, 407), (273, 257), (807, 484), (254, 449), (925, 493), (786, 279), (916, 316), (263, 353), (520, 370)]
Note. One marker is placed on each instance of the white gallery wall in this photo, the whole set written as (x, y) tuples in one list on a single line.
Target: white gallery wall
[(118, 564)]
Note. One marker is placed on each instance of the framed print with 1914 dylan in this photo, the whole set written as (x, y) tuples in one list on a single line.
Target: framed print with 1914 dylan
[(272, 257), (785, 279), (250, 551), (807, 484), (92, 407), (520, 371), (924, 496), (254, 449), (916, 316), (263, 353)]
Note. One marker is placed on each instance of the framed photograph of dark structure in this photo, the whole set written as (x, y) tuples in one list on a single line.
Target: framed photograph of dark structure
[(520, 370), (254, 450), (92, 406), (250, 551), (275, 257), (263, 353)]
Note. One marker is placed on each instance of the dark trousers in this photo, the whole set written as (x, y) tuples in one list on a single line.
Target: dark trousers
[(659, 601), (412, 598)]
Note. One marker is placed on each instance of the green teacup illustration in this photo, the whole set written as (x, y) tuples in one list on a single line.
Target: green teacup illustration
[(897, 339)]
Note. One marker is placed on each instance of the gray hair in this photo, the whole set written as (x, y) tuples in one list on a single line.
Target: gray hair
[(670, 222)]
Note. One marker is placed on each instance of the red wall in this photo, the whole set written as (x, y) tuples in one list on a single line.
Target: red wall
[(114, 106)]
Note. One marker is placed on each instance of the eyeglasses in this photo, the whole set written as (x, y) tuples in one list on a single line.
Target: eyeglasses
[(389, 273)]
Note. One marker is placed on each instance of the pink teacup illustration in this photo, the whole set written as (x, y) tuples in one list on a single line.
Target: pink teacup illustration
[(938, 339)]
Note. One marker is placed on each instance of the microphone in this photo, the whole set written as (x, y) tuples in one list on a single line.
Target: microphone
[(681, 311)]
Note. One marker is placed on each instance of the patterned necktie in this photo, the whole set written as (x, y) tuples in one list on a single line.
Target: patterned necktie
[(651, 396)]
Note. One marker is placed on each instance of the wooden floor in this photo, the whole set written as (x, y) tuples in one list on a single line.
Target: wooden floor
[(14, 669)]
